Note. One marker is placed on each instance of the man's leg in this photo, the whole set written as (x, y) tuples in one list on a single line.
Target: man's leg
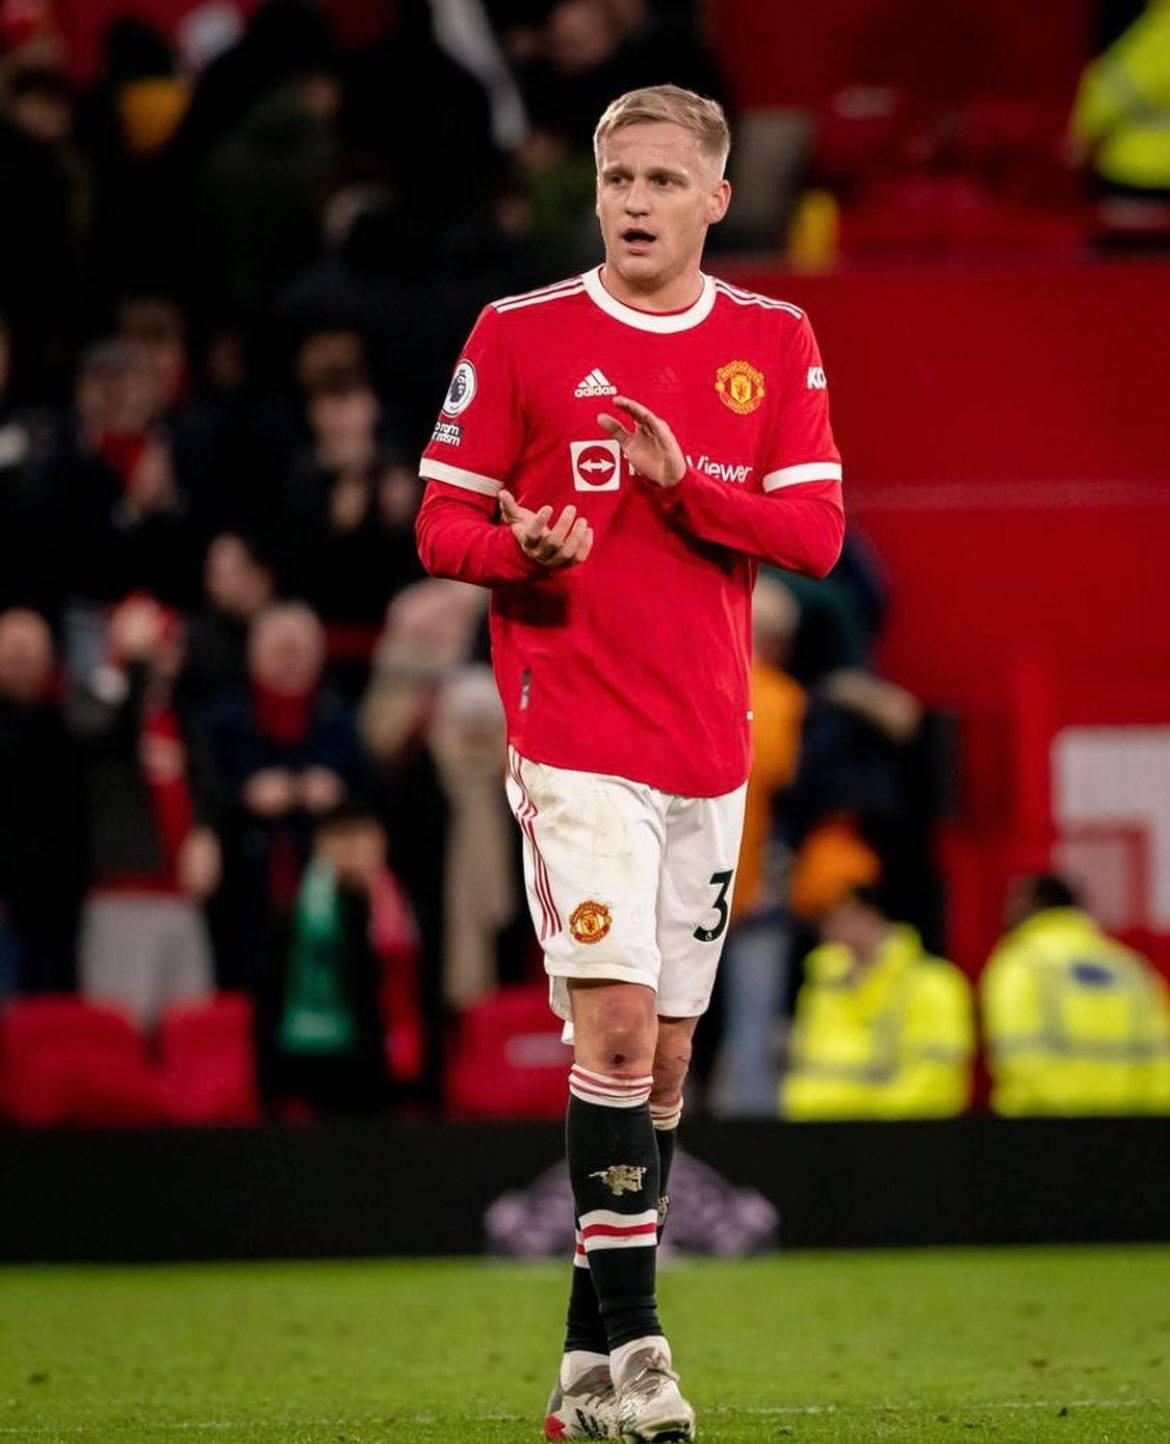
[(614, 1170), (613, 1158), (672, 1057)]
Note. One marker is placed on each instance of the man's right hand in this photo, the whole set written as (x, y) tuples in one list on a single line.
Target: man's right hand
[(565, 544)]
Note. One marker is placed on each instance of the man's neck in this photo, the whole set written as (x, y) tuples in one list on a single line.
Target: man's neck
[(675, 294)]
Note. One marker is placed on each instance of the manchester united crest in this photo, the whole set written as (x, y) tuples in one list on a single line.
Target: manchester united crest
[(590, 921), (740, 386), (621, 1178)]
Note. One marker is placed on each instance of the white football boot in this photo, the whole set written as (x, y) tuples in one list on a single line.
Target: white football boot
[(584, 1407), (650, 1409)]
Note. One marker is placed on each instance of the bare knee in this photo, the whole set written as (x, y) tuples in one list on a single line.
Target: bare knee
[(614, 1028), (672, 1058)]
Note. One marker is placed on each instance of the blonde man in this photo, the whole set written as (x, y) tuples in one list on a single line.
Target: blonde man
[(615, 455)]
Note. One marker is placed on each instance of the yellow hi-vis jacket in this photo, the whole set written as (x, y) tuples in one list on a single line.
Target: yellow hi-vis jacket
[(1122, 109), (893, 1039), (1075, 1022)]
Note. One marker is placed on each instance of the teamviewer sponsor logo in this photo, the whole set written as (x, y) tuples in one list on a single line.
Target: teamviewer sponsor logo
[(597, 465), (595, 384)]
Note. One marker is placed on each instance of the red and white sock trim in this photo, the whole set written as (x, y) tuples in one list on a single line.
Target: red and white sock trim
[(665, 1116), (609, 1092), (580, 1258), (602, 1228)]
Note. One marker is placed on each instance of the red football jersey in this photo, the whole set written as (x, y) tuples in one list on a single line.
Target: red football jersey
[(634, 663)]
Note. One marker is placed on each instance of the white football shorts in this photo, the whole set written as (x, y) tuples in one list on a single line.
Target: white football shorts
[(626, 883)]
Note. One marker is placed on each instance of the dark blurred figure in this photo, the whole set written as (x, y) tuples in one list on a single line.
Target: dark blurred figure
[(28, 437), (45, 207), (587, 52), (287, 752), (121, 516), (126, 122), (238, 585), (262, 190), (432, 726), (757, 963), (476, 124), (350, 503), (41, 835), (337, 1017), (151, 806)]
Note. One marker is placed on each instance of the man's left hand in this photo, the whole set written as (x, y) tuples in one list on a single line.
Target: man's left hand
[(650, 448)]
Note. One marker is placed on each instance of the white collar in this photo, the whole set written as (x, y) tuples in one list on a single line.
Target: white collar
[(662, 322)]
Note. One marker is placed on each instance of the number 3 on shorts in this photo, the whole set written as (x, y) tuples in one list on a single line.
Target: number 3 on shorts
[(722, 881)]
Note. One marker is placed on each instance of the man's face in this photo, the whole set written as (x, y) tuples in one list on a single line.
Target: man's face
[(656, 195)]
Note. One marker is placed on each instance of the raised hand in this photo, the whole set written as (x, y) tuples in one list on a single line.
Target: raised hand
[(565, 544), (651, 447)]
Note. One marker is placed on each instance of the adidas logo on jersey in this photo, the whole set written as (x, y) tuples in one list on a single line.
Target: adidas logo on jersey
[(595, 384)]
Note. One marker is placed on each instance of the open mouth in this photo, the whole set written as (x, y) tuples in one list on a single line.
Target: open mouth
[(634, 236)]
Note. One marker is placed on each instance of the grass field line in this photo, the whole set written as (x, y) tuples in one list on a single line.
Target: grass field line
[(222, 1426), (958, 1407)]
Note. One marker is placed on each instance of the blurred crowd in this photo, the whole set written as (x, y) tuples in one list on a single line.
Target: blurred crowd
[(245, 746)]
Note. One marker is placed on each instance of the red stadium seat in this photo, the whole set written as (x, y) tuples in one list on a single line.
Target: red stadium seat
[(65, 1061), (209, 1061), (509, 1061)]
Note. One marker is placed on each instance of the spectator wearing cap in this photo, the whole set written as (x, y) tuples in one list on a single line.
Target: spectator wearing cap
[(1075, 1022), (883, 1029), (150, 813), (41, 862)]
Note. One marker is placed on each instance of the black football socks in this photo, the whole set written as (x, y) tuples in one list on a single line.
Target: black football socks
[(614, 1171)]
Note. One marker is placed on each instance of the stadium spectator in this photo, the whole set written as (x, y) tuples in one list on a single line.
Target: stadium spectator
[(44, 213), (261, 188), (125, 123), (431, 632), (1119, 126), (120, 517), (41, 863), (28, 436), (754, 975), (337, 1006), (238, 585), (485, 933), (349, 505), (859, 747), (151, 804), (1075, 1022), (287, 752), (883, 1029)]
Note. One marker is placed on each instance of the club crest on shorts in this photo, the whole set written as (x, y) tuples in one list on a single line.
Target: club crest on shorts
[(740, 387), (590, 921), (621, 1178)]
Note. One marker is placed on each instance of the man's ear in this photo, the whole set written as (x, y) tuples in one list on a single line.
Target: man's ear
[(718, 201)]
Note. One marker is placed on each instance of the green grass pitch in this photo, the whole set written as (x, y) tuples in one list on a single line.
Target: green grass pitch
[(1003, 1345)]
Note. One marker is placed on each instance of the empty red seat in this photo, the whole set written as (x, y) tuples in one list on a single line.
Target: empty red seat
[(208, 1058), (66, 1061), (509, 1061)]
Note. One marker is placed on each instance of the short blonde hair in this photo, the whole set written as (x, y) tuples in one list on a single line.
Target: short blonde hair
[(703, 118)]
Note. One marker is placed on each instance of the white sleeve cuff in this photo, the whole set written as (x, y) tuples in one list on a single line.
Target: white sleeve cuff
[(807, 471), (457, 476)]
